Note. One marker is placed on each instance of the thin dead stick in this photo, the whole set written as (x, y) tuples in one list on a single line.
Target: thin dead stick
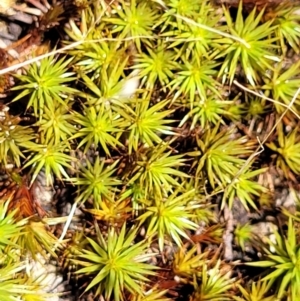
[(66, 227), (103, 12), (40, 57), (221, 33), (288, 108), (260, 148), (267, 98)]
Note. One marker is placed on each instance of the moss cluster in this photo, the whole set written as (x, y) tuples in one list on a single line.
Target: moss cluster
[(172, 122)]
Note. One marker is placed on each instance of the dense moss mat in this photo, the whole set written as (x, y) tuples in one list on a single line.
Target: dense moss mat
[(168, 131)]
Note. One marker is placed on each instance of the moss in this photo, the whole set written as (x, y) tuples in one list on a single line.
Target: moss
[(161, 121)]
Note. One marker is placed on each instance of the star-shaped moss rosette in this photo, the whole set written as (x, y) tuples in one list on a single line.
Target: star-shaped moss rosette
[(251, 46), (15, 138), (283, 263), (46, 84), (116, 263)]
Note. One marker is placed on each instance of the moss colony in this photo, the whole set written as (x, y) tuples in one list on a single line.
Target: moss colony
[(152, 152)]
